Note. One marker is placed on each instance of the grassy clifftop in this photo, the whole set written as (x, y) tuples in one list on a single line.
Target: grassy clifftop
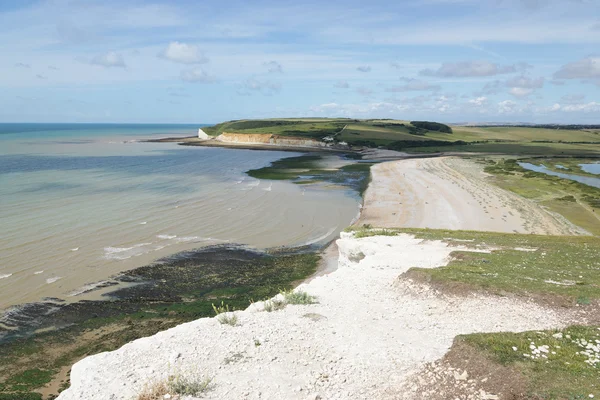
[(424, 136)]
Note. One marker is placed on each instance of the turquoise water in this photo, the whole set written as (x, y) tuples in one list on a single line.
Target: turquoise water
[(587, 180), (83, 202)]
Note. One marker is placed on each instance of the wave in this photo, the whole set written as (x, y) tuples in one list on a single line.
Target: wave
[(123, 253), (75, 249), (143, 223), (90, 287), (269, 188), (38, 272), (4, 276), (53, 279), (320, 238), (166, 236)]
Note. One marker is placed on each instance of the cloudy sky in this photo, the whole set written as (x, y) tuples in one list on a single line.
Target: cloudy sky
[(208, 61)]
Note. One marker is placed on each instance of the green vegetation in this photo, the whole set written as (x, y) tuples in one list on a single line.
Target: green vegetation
[(224, 315), (428, 137), (179, 384), (274, 305), (311, 169), (298, 297), (168, 293), (577, 202), (546, 267), (562, 364), (431, 126)]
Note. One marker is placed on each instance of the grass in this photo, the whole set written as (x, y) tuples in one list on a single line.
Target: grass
[(224, 315), (556, 364), (297, 297), (402, 135), (577, 202), (274, 305), (555, 267), (175, 386)]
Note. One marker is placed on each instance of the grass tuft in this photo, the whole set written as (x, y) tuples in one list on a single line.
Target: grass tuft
[(274, 305), (298, 297), (174, 387), (224, 315)]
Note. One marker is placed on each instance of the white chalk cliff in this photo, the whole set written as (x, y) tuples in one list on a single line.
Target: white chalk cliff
[(367, 333)]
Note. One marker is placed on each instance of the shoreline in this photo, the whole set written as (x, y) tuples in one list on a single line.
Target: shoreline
[(344, 294)]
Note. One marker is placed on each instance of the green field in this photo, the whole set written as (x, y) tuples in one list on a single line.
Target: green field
[(424, 137)]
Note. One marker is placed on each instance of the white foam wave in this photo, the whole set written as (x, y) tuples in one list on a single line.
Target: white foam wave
[(38, 272), (75, 249), (4, 276), (320, 238), (166, 237), (123, 253), (268, 189), (143, 223), (87, 288), (53, 279)]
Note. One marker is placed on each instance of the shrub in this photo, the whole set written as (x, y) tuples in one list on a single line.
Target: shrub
[(274, 305), (298, 297), (224, 315), (176, 385)]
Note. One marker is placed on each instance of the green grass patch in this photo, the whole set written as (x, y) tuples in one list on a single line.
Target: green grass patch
[(556, 364), (566, 267)]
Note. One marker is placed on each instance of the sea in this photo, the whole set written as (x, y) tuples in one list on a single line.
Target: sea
[(82, 202)]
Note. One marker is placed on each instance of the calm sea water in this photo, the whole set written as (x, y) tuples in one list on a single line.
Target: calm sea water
[(80, 203)]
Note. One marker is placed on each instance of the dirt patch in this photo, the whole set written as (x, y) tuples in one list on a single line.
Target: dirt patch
[(464, 373)]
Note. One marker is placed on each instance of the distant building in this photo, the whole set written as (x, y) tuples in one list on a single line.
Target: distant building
[(202, 135)]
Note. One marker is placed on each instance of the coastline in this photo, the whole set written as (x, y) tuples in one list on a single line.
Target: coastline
[(323, 358)]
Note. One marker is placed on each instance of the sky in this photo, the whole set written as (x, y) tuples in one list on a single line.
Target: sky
[(207, 61)]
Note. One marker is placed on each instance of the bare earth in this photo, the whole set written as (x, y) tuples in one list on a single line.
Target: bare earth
[(371, 331), (451, 193)]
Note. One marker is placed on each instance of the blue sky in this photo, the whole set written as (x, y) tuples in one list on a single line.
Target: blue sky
[(207, 61)]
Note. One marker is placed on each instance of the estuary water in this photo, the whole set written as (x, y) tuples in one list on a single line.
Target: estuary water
[(586, 180), (80, 203)]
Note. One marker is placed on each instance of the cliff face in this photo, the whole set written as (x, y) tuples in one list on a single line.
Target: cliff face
[(262, 138)]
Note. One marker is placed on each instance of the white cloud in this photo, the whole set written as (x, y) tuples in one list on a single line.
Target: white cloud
[(572, 98), (469, 69), (274, 67), (479, 101), (363, 91), (592, 107), (525, 82), (22, 65), (253, 85), (520, 92), (507, 107), (364, 68), (341, 85), (197, 75), (585, 69), (183, 53), (110, 59), (414, 85)]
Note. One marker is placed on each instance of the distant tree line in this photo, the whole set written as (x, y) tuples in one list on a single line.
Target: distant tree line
[(431, 126)]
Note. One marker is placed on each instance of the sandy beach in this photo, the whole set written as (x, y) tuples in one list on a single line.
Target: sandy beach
[(451, 193), (371, 330)]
